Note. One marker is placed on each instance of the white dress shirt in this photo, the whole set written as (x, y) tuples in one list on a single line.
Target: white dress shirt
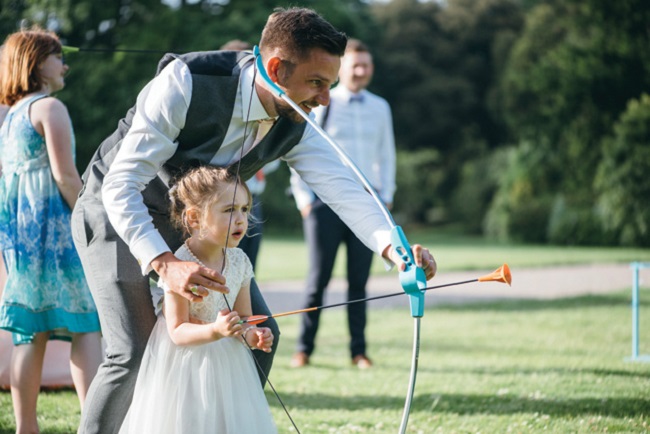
[(160, 114), (363, 128)]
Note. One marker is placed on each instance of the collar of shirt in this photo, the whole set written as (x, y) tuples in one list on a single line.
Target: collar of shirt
[(342, 93), (247, 85)]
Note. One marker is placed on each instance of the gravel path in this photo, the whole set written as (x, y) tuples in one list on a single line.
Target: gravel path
[(538, 283), (527, 283)]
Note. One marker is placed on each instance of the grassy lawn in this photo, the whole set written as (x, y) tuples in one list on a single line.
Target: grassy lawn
[(283, 257), (509, 367), (519, 366)]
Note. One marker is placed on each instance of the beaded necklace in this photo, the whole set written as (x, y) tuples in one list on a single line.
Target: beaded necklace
[(189, 250)]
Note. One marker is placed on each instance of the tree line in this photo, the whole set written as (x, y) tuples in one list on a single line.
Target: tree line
[(523, 120)]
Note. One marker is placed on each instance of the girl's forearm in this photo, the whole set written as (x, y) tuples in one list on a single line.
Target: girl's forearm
[(193, 334)]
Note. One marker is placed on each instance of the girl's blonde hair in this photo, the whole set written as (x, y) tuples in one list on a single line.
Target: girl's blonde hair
[(200, 188), (20, 57)]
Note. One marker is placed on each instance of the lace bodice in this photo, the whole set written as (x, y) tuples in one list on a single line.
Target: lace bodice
[(238, 272)]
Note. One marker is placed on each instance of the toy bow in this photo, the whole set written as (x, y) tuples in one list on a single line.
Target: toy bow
[(412, 278)]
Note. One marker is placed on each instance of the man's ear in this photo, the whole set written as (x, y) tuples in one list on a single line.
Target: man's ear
[(273, 69)]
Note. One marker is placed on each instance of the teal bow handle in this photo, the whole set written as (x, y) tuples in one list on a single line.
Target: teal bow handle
[(262, 71), (412, 278)]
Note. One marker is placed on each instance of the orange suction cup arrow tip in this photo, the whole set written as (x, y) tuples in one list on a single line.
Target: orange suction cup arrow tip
[(256, 319), (501, 274)]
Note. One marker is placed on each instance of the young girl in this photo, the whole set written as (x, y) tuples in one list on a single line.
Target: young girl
[(197, 375), (45, 295)]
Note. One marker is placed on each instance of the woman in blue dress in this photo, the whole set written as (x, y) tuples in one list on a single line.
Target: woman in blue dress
[(46, 295)]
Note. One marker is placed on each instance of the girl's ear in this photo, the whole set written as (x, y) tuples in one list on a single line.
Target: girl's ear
[(193, 219)]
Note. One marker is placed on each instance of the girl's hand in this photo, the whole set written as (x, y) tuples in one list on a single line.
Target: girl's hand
[(260, 338), (227, 324)]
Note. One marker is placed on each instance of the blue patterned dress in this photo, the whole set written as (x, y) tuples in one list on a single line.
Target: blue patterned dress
[(46, 289)]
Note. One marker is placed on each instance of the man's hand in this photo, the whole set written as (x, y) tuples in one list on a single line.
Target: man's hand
[(188, 279), (423, 258)]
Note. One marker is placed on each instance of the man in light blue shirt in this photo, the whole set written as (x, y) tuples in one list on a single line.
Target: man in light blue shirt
[(361, 124)]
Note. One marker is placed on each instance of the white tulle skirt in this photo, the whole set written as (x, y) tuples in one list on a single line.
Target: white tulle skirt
[(212, 388)]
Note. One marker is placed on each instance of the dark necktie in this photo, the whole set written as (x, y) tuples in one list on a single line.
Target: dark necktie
[(356, 98)]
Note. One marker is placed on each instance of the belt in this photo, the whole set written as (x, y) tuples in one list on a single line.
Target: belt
[(41, 162)]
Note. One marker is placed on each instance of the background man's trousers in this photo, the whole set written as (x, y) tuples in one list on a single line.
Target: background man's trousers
[(324, 232)]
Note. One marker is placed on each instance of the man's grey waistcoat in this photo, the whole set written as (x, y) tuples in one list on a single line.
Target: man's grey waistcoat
[(215, 78)]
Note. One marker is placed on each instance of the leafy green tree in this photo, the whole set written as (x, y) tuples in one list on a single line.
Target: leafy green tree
[(623, 180), (11, 14), (438, 66), (121, 42), (569, 77), (521, 211), (571, 74)]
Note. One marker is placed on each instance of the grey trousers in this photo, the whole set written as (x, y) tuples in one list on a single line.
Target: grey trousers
[(126, 313)]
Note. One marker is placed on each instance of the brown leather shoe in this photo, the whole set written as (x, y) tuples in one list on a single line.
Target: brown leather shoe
[(299, 360), (361, 361)]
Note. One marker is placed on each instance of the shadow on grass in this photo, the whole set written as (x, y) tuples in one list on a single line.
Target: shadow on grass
[(473, 404), (508, 372), (423, 367), (48, 431), (492, 404), (582, 301)]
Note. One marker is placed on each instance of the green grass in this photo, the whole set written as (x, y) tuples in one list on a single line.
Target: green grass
[(283, 257), (520, 366)]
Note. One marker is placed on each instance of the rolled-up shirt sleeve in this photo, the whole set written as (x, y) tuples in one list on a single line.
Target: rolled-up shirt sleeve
[(335, 183), (161, 109)]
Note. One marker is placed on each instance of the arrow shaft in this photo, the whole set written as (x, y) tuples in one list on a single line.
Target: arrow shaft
[(378, 297), (293, 312)]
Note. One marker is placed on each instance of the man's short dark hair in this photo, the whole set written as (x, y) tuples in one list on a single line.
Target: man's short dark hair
[(296, 31)]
